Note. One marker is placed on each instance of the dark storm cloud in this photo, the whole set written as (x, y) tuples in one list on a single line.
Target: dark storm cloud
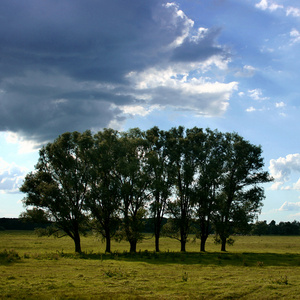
[(64, 63), (42, 111), (97, 40)]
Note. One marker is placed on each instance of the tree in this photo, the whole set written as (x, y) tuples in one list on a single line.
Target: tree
[(209, 156), (160, 172), (260, 228), (104, 195), (241, 196), (134, 181), (60, 183), (180, 154), (288, 228), (273, 230)]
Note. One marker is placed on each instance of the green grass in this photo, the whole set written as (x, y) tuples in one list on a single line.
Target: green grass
[(47, 268)]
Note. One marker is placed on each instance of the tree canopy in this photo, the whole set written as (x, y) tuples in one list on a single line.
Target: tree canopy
[(60, 183), (110, 181)]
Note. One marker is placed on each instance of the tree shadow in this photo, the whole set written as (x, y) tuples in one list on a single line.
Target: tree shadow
[(207, 258)]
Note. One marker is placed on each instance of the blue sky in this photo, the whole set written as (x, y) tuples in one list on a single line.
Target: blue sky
[(230, 65)]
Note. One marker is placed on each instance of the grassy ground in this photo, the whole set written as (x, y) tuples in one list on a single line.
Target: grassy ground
[(47, 268)]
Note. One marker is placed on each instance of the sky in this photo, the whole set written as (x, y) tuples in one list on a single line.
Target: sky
[(230, 65)]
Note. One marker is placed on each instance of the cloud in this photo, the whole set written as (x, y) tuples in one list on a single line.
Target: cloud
[(281, 170), (11, 177), (295, 36), (293, 11), (25, 146), (263, 4), (76, 65), (296, 186), (256, 94), (265, 49), (268, 5), (247, 71), (250, 109), (272, 6), (290, 206), (166, 88), (280, 104), (138, 110)]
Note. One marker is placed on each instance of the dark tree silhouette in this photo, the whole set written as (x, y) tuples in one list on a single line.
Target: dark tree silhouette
[(59, 184)]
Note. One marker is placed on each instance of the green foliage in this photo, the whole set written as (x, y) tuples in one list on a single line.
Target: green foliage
[(161, 176), (170, 229), (283, 228), (180, 145), (35, 215), (48, 231), (134, 184), (113, 180), (58, 187), (240, 196), (230, 241), (103, 198)]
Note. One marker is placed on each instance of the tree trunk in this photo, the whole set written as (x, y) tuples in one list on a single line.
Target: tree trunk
[(107, 238), (156, 242), (107, 244), (157, 221), (183, 243), (223, 244), (133, 245), (202, 243), (157, 226), (77, 242), (183, 237)]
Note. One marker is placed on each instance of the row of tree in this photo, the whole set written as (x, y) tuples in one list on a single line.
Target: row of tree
[(282, 228), (113, 180), (257, 228)]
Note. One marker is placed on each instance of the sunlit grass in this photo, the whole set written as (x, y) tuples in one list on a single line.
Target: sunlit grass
[(48, 268)]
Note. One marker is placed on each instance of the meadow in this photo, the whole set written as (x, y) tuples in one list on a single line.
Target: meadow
[(31, 267)]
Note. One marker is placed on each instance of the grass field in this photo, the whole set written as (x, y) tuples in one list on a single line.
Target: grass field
[(254, 267)]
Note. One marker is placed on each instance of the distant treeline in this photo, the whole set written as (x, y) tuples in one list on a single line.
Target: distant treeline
[(23, 224), (19, 224), (282, 228), (259, 228)]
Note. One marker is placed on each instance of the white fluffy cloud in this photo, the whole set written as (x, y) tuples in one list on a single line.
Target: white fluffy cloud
[(170, 86), (25, 146), (295, 36), (273, 6), (256, 94), (293, 11), (11, 177), (188, 24), (281, 170), (280, 104), (250, 109), (138, 110), (268, 5), (290, 206)]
